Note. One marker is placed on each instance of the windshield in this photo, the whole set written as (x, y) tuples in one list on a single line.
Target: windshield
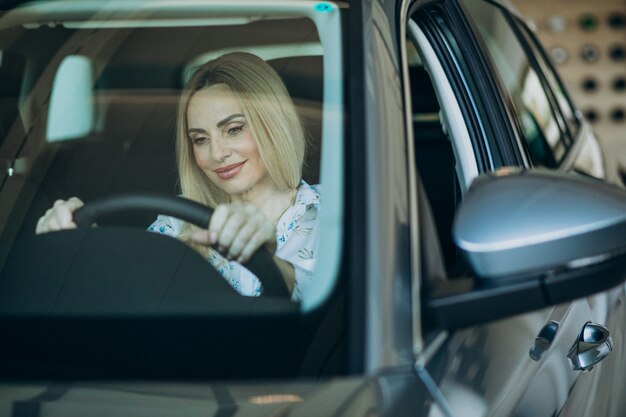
[(103, 99)]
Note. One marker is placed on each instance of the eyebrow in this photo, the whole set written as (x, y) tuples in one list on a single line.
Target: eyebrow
[(219, 124), (228, 119)]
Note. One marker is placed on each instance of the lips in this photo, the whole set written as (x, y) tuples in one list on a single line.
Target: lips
[(229, 171)]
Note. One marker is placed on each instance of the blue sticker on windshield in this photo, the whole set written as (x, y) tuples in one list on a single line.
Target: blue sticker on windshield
[(323, 7)]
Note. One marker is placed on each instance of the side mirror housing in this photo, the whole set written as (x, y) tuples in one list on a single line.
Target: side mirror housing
[(533, 239)]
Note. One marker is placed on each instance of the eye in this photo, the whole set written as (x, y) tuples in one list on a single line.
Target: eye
[(235, 130), (199, 140)]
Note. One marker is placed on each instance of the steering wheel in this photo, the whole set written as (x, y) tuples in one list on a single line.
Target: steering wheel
[(261, 262)]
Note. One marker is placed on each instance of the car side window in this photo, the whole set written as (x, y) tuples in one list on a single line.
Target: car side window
[(535, 117), (565, 104)]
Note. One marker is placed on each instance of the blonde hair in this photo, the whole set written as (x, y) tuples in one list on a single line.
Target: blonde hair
[(272, 117)]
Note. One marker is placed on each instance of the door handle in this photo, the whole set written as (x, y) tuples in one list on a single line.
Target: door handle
[(544, 340), (593, 344)]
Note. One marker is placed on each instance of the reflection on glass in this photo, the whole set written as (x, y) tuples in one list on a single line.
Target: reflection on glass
[(565, 105), (536, 118)]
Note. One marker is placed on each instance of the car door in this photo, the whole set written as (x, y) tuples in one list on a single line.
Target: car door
[(480, 103)]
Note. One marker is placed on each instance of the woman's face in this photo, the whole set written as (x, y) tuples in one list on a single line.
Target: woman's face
[(223, 143)]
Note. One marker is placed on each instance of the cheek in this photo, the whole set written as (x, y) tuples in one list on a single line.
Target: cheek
[(200, 158), (254, 157), (250, 149)]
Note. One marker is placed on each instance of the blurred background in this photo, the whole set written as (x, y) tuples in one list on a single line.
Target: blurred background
[(586, 40)]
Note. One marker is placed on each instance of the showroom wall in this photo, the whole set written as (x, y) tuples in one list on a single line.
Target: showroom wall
[(587, 41)]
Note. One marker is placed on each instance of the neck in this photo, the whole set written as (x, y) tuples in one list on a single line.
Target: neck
[(271, 201)]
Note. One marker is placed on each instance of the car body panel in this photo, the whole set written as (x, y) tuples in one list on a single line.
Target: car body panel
[(388, 199)]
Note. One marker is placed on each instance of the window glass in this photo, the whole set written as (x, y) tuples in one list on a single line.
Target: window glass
[(90, 97), (537, 121), (567, 109)]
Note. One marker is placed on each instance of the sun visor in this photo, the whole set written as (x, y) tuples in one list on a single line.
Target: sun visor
[(71, 110)]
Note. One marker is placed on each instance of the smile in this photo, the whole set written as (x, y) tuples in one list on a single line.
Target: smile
[(229, 171)]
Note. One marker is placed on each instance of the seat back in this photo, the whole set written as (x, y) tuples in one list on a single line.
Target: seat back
[(303, 77), (435, 160)]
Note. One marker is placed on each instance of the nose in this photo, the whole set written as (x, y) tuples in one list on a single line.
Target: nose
[(219, 150)]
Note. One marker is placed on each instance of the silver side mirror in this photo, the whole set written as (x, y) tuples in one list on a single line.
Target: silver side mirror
[(531, 222), (532, 239)]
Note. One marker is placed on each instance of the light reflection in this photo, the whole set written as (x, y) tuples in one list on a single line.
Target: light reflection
[(275, 399)]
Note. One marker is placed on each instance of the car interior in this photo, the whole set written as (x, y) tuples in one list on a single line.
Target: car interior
[(135, 96), (436, 162), (435, 159), (115, 135)]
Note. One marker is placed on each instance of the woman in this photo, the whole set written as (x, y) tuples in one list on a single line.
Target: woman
[(240, 148)]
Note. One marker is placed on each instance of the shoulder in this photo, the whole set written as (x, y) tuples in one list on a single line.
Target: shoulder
[(307, 202), (307, 194), (301, 217)]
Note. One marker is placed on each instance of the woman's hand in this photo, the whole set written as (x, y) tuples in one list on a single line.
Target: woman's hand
[(59, 217), (237, 231)]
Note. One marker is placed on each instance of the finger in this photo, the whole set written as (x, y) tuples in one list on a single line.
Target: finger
[(41, 225), (53, 225), (48, 222), (63, 212), (242, 238), (232, 227), (218, 219), (64, 217), (259, 238), (60, 216), (74, 203)]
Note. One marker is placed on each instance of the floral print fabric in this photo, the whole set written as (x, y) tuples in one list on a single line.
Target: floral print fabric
[(296, 243)]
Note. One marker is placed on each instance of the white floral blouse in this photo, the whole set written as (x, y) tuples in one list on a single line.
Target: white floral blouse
[(296, 243)]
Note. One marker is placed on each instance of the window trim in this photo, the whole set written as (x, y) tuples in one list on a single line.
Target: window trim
[(437, 30), (414, 190), (454, 120)]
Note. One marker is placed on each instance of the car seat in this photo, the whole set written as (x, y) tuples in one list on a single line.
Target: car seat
[(435, 160)]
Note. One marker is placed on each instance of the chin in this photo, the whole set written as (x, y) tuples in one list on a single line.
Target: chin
[(234, 186)]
